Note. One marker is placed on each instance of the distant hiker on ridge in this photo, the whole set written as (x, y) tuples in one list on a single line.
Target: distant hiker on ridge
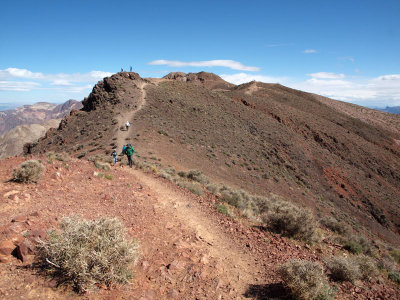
[(127, 124), (114, 155), (128, 151)]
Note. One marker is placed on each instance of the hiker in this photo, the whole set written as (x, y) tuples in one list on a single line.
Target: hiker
[(127, 124), (114, 155), (128, 151)]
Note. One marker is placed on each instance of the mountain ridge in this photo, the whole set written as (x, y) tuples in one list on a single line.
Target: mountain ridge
[(261, 137)]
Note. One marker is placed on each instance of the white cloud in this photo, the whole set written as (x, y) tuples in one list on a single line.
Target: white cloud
[(310, 51), (244, 77), (380, 91), (20, 86), (349, 58), (207, 63), (326, 75), (19, 73), (12, 73)]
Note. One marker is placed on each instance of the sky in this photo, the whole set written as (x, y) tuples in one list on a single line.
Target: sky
[(57, 50)]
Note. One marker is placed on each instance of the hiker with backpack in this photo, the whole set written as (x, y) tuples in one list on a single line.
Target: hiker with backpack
[(128, 150), (127, 124), (114, 155)]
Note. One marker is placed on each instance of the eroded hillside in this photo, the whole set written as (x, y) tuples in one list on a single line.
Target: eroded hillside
[(261, 137)]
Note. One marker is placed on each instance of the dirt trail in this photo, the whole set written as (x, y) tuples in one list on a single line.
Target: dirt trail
[(238, 266), (128, 116)]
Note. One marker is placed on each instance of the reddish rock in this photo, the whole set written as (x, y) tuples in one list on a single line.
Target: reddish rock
[(4, 258), (17, 239), (7, 247), (24, 249), (10, 193), (20, 218)]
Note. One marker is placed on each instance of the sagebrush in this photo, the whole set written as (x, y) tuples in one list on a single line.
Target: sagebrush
[(83, 253), (292, 221), (305, 279), (29, 171)]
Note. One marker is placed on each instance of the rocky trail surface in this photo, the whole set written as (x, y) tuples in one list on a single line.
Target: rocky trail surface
[(188, 250)]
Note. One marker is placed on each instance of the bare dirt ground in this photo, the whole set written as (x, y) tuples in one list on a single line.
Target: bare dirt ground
[(187, 249)]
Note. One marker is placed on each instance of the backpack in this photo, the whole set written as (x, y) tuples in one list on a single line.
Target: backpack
[(129, 151)]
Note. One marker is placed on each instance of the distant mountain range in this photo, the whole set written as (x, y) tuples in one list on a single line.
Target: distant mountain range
[(391, 109), (27, 123), (37, 113)]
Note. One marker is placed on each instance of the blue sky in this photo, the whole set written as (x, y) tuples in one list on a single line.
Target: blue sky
[(57, 50)]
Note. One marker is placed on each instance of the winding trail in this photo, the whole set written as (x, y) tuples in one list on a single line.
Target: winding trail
[(128, 116)]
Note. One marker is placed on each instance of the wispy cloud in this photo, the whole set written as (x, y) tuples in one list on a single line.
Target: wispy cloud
[(326, 75), (347, 58), (240, 78), (234, 65), (20, 86), (309, 51)]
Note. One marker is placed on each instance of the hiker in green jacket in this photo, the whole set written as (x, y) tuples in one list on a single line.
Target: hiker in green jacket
[(128, 150)]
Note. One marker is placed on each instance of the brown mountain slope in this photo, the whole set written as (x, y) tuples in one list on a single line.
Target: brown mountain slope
[(260, 137), (37, 113), (12, 142)]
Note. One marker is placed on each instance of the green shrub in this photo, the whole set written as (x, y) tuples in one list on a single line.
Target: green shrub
[(353, 247), (222, 209), (29, 171), (334, 225), (305, 279), (108, 176), (62, 156), (83, 253), (292, 221), (236, 198), (395, 276)]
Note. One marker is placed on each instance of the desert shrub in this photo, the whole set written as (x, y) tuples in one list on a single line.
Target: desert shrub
[(194, 187), (162, 173), (395, 276), (102, 166), (334, 225), (343, 268), (213, 188), (222, 209), (262, 204), (357, 244), (83, 253), (395, 253), (305, 279), (108, 176), (194, 175), (29, 171), (60, 156), (292, 221), (367, 265), (236, 198)]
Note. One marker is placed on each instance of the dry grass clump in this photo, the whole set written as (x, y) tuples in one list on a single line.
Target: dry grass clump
[(292, 221), (334, 225), (395, 253), (357, 244), (60, 156), (102, 165), (305, 279), (351, 268), (29, 171), (84, 253)]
